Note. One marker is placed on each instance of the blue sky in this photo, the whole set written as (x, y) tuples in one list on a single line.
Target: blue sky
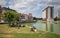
[(31, 6)]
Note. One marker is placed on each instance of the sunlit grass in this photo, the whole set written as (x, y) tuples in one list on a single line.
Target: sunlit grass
[(23, 32)]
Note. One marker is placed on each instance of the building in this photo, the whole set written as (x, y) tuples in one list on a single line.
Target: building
[(47, 14), (30, 17), (0, 14), (25, 17), (58, 14)]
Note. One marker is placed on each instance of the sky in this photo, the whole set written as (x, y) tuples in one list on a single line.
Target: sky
[(31, 6)]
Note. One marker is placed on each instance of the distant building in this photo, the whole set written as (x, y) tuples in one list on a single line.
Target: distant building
[(25, 17), (47, 14), (0, 14), (58, 14), (30, 17)]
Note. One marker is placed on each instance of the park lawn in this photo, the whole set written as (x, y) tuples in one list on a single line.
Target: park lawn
[(23, 32)]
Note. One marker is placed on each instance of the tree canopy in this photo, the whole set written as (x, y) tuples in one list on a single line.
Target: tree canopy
[(56, 19), (10, 15)]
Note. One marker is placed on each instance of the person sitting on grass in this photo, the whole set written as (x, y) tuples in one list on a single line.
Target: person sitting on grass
[(33, 29)]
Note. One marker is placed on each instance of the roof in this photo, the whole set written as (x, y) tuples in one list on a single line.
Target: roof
[(48, 7)]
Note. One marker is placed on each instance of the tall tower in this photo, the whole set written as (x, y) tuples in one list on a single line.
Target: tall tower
[(47, 14), (50, 13), (59, 14)]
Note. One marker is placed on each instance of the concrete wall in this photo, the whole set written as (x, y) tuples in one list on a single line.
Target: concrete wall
[(47, 14), (49, 11), (59, 14), (44, 15)]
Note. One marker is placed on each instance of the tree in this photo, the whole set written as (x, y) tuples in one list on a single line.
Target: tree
[(10, 15), (56, 18), (34, 18)]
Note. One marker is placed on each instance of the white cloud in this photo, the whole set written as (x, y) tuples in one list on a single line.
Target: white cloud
[(55, 0), (27, 6), (22, 4), (18, 5), (2, 2)]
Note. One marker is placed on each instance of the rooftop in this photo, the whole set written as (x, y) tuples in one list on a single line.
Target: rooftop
[(48, 7)]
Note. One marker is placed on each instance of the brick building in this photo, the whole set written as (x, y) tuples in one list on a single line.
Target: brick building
[(30, 17)]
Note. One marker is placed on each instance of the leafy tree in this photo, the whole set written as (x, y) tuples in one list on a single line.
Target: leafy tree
[(56, 18), (34, 18), (10, 15)]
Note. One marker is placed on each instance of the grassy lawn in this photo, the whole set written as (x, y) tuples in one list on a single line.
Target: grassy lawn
[(23, 32)]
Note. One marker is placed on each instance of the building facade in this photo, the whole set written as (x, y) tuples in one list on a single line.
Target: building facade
[(30, 17), (58, 14), (25, 17), (1, 20), (47, 14)]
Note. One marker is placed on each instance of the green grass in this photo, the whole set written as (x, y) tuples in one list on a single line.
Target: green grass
[(36, 36), (23, 32)]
